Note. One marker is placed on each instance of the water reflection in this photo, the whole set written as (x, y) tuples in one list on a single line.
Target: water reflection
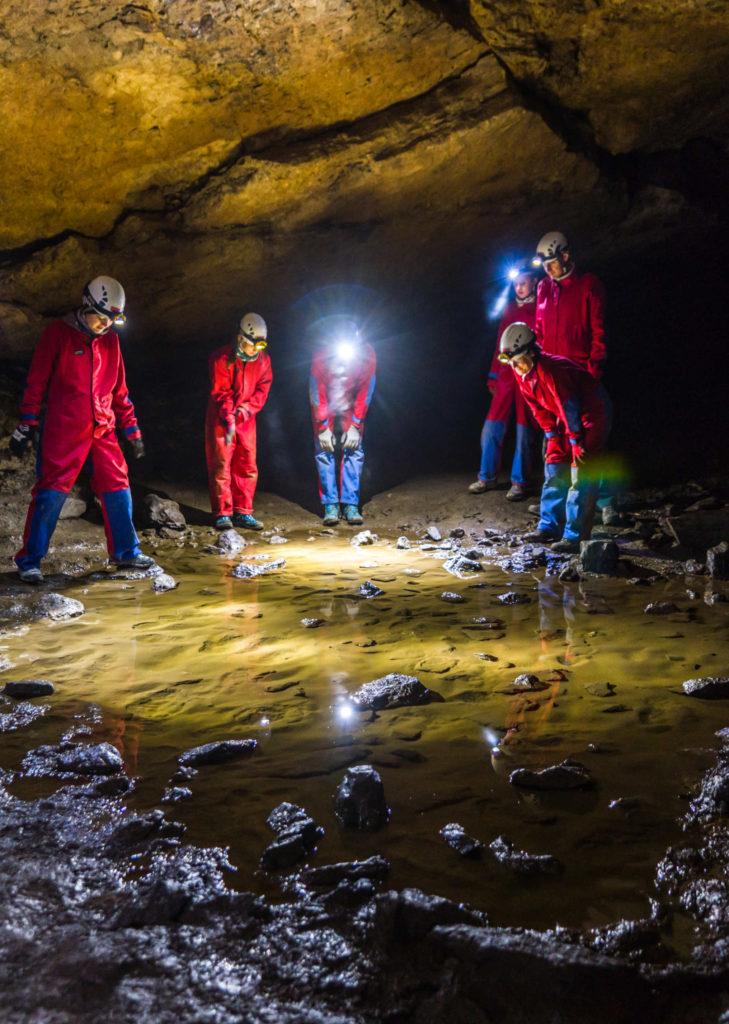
[(227, 658)]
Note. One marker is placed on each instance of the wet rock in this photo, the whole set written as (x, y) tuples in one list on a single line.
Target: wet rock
[(25, 688), (708, 687), (413, 914), (660, 608), (393, 691), (403, 544), (137, 832), (176, 794), (368, 589), (163, 512), (635, 940), (73, 759), (484, 622), (699, 530), (246, 571), (218, 752), (567, 775), (374, 868), (527, 683), (713, 797), (600, 689), (360, 800), (694, 568), (230, 542), (485, 657), (457, 837), (459, 565), (296, 836), (599, 556), (449, 596), (523, 863), (362, 538), (162, 582), (21, 714), (278, 539), (569, 573), (712, 597), (513, 598), (57, 607), (312, 623), (717, 561)]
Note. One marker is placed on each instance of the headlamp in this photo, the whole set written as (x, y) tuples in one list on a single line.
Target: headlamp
[(537, 261), (513, 273), (345, 351), (258, 343), (504, 357)]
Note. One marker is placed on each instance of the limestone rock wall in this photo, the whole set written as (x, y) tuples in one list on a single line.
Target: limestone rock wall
[(214, 154)]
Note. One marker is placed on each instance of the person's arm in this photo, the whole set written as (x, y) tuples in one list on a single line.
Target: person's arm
[(365, 386), (121, 403), (596, 301), (41, 368), (221, 387), (318, 391)]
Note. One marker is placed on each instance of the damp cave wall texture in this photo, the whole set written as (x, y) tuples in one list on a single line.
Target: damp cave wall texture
[(383, 157)]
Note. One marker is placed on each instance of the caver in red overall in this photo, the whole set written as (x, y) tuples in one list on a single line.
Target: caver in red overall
[(87, 398), (570, 320), (340, 389), (505, 397), (238, 390), (567, 404)]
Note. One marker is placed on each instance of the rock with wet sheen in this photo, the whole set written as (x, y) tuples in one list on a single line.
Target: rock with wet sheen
[(451, 597), (230, 542), (708, 687), (26, 688), (660, 608), (164, 512), (312, 623), (218, 752), (296, 836), (57, 607), (369, 589), (162, 582), (69, 758), (457, 837), (567, 775), (513, 597), (362, 538), (527, 682), (360, 799), (403, 544), (393, 691), (246, 571), (523, 863), (717, 561), (459, 565), (599, 556), (375, 868)]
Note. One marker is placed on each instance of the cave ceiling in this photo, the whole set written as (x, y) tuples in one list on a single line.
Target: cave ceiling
[(214, 154)]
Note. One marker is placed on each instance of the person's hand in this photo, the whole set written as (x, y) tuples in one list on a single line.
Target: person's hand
[(242, 411), (351, 438), (137, 447), (20, 437), (578, 453), (326, 440), (491, 385), (230, 432)]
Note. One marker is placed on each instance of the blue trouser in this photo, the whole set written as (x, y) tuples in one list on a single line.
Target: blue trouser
[(45, 508), (567, 502), (605, 490), (350, 471), (492, 443)]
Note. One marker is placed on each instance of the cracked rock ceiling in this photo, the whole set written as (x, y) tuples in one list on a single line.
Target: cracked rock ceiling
[(219, 155)]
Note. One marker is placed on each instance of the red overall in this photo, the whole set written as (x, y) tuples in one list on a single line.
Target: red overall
[(238, 390), (570, 320), (84, 383)]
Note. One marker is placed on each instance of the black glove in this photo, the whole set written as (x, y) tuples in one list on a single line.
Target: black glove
[(23, 433), (137, 447)]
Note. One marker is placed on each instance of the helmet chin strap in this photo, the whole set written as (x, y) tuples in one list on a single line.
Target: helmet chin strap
[(569, 267), (83, 325)]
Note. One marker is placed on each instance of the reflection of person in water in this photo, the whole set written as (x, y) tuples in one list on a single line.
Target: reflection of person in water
[(556, 617)]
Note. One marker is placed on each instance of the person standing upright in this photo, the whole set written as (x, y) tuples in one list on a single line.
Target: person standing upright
[(240, 379), (505, 397), (341, 385), (78, 369)]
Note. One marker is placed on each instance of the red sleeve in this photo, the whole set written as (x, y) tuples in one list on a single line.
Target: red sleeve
[(41, 368), (318, 389), (544, 417), (596, 301), (121, 403), (365, 385), (221, 386), (256, 401)]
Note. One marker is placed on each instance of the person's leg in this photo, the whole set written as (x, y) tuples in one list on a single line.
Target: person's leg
[(326, 468), (218, 456), (522, 462), (243, 468), (109, 479), (494, 429), (554, 497), (580, 503)]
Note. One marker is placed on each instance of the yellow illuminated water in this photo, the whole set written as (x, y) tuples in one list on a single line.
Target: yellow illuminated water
[(222, 658)]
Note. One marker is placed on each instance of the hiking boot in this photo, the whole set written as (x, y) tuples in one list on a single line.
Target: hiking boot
[(247, 521), (30, 575), (479, 486), (566, 547), (534, 510), (517, 492), (331, 513), (135, 562), (539, 537), (223, 523), (351, 514)]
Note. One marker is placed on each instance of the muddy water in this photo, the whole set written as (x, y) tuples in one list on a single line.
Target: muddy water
[(223, 658)]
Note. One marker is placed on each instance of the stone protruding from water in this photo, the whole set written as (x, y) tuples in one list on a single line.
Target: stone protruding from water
[(57, 607), (218, 752), (661, 608), (162, 582), (523, 863), (457, 837), (599, 556), (708, 687), (360, 800), (362, 538), (230, 542), (717, 561), (567, 775), (296, 836), (393, 691), (23, 689)]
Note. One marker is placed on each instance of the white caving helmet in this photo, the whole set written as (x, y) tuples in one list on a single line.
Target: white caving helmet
[(550, 247), (253, 328), (515, 341), (105, 296)]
